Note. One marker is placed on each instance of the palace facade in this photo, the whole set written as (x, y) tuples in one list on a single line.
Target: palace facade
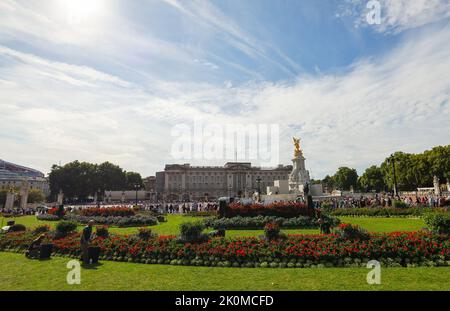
[(182, 182)]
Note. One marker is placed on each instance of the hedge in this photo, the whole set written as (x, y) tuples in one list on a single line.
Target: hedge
[(47, 217), (120, 221), (382, 211), (278, 209), (258, 222)]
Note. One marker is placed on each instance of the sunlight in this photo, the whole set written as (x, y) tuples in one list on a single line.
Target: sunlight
[(81, 11)]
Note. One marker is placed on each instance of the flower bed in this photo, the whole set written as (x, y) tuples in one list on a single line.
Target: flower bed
[(258, 222), (47, 217), (382, 211), (120, 221), (106, 212), (55, 211), (279, 209), (392, 249)]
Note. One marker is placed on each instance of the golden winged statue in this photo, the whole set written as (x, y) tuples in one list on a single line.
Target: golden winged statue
[(297, 150)]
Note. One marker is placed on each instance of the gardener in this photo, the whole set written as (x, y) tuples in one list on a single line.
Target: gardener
[(85, 240)]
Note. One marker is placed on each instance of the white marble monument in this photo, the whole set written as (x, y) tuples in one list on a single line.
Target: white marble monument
[(299, 176)]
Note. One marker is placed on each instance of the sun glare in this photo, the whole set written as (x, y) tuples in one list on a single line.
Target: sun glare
[(79, 11)]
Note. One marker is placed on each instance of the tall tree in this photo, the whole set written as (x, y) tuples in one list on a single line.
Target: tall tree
[(328, 182), (133, 178), (345, 178), (79, 180), (372, 179), (36, 196)]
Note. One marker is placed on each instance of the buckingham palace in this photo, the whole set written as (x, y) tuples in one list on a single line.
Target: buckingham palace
[(182, 182)]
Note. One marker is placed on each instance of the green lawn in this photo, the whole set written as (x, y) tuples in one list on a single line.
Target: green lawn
[(171, 226), (19, 273), (386, 224)]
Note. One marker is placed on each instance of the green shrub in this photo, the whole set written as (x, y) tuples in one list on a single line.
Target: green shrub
[(120, 221), (272, 230), (63, 228), (352, 232), (438, 222), (47, 217), (17, 228), (383, 211), (41, 229), (399, 204), (161, 218), (145, 233), (191, 231), (102, 231)]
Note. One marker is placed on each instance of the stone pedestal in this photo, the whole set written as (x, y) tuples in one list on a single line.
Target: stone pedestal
[(24, 198), (9, 204), (437, 189), (299, 176), (60, 199), (24, 190)]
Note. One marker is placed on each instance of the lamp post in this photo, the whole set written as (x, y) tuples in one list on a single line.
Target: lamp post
[(98, 197), (258, 182), (136, 187), (392, 161)]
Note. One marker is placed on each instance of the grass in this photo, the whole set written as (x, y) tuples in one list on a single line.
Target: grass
[(171, 226), (386, 224), (19, 273)]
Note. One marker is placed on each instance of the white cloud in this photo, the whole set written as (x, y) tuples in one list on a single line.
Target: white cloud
[(53, 111), (397, 15)]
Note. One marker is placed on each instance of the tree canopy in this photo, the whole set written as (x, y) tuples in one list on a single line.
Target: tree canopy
[(79, 180), (411, 170)]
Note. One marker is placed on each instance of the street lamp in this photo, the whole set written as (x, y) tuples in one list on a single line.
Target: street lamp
[(258, 182), (392, 161), (137, 187), (98, 197)]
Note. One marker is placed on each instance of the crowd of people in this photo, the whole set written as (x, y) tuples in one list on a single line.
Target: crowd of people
[(177, 207), (182, 207), (429, 200)]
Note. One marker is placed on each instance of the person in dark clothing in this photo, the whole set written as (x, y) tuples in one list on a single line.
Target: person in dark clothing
[(85, 240), (34, 248)]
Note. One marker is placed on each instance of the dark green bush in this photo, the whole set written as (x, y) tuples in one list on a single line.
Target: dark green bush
[(272, 230), (352, 232), (438, 222), (63, 228), (161, 218), (382, 211), (47, 217), (17, 228), (191, 231), (201, 214), (120, 221), (145, 233), (399, 204), (102, 231), (41, 229)]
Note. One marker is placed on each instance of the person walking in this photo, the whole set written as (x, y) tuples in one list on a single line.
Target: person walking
[(85, 240)]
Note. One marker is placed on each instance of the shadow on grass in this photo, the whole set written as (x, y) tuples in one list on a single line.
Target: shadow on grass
[(91, 266)]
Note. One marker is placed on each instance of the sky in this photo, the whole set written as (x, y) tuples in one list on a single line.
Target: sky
[(109, 80)]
